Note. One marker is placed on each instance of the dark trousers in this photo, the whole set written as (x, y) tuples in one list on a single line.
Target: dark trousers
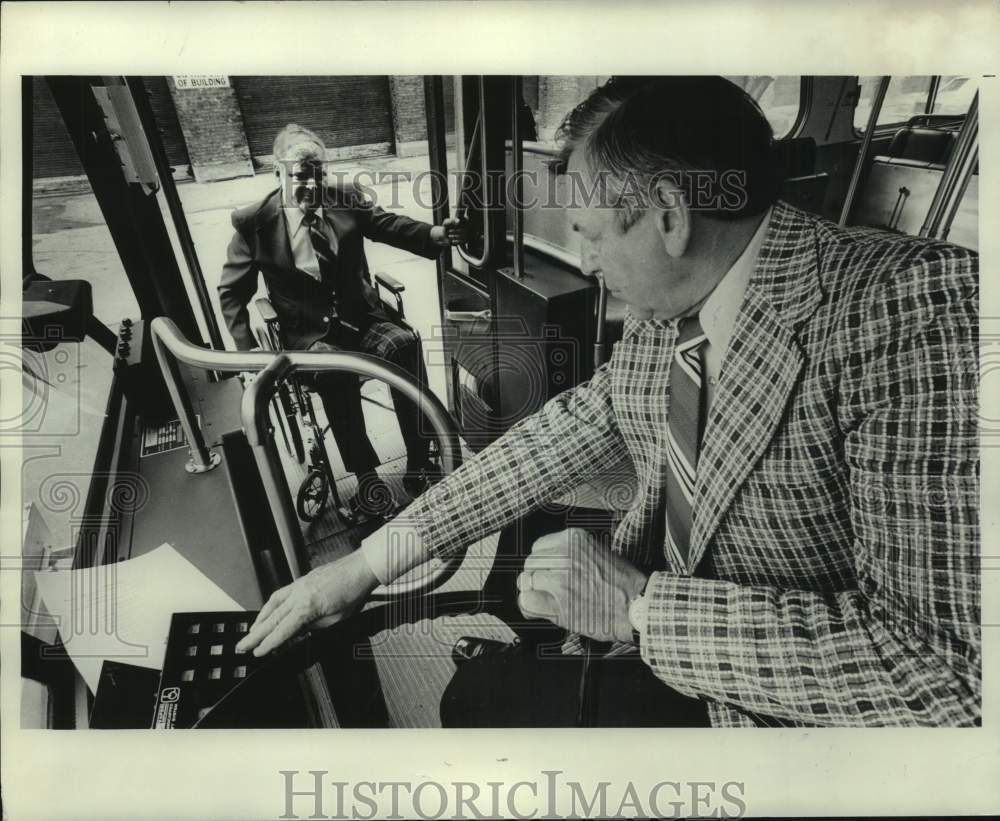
[(537, 686), (341, 393), (526, 689)]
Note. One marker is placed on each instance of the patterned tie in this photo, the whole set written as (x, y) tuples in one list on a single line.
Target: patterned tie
[(684, 433), (321, 245)]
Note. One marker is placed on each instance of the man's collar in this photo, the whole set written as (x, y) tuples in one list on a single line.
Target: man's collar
[(718, 314), (294, 218)]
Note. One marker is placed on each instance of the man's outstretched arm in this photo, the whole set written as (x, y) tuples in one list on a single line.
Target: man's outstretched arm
[(573, 437), (411, 235)]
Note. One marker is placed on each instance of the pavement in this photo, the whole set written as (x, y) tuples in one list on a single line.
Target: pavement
[(71, 241)]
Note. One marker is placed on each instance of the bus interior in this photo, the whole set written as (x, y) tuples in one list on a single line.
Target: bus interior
[(137, 430)]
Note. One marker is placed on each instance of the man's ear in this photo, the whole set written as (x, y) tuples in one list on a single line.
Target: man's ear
[(673, 217)]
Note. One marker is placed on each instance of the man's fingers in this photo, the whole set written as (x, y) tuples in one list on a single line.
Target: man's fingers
[(546, 561), (552, 543), (264, 627), (276, 598), (544, 581), (287, 622), (535, 605), (256, 632)]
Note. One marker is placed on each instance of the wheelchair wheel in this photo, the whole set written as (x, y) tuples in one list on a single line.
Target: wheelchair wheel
[(312, 495)]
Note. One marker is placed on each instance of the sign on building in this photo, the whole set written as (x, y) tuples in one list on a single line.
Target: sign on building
[(185, 82)]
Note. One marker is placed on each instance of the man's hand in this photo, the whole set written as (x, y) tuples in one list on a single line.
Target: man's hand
[(450, 232), (248, 377), (321, 597), (573, 580)]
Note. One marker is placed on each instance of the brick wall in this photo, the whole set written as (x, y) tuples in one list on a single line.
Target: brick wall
[(409, 118), (557, 95), (213, 130)]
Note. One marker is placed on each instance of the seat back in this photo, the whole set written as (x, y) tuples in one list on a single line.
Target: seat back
[(922, 144)]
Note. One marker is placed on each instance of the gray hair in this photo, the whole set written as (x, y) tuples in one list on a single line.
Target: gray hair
[(294, 143)]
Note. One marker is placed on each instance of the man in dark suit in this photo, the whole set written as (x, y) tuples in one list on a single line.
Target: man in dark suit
[(799, 403), (307, 239)]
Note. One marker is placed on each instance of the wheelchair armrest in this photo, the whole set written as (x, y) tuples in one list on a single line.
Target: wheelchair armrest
[(390, 283), (266, 310), (396, 288), (271, 339)]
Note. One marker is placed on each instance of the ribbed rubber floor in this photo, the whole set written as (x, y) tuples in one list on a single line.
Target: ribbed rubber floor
[(414, 660)]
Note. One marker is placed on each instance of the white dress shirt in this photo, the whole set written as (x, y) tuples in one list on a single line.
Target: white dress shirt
[(718, 314), (388, 550), (302, 247)]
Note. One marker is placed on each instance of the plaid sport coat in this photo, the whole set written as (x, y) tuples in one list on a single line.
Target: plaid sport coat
[(837, 493)]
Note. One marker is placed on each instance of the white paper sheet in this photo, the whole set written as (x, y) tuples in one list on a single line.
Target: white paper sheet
[(122, 611)]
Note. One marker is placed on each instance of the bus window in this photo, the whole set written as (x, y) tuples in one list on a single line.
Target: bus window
[(954, 95), (780, 98), (66, 389), (906, 97)]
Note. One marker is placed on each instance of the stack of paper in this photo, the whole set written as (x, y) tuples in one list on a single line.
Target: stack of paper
[(122, 611)]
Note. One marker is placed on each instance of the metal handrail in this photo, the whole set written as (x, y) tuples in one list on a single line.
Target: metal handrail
[(480, 129), (955, 178), (171, 347), (852, 190), (517, 167)]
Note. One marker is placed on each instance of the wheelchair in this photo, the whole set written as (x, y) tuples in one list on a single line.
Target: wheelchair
[(303, 436)]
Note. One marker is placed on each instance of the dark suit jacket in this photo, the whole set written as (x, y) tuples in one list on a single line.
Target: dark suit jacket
[(304, 305)]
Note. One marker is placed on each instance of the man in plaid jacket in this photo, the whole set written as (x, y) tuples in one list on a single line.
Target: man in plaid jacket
[(829, 574)]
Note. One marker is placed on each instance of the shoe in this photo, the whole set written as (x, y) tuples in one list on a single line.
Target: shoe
[(417, 480), (373, 500), (473, 647)]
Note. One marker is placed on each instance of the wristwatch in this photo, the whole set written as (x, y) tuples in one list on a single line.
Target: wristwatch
[(638, 609)]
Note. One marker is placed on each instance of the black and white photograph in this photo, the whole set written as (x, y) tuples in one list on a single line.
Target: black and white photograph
[(450, 438)]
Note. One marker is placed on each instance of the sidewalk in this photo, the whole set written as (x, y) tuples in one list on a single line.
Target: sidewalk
[(71, 241)]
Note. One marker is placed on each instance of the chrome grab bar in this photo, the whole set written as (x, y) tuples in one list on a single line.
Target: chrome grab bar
[(480, 129), (468, 317), (955, 178), (517, 167), (859, 166), (172, 347)]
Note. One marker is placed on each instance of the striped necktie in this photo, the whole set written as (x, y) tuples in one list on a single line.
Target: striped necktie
[(321, 245), (684, 427)]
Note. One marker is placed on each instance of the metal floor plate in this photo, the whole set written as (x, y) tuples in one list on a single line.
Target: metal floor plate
[(413, 660)]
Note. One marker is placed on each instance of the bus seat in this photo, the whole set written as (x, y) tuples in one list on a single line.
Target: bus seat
[(929, 145), (898, 194)]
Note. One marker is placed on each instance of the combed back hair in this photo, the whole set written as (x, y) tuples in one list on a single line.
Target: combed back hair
[(294, 143), (704, 134)]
